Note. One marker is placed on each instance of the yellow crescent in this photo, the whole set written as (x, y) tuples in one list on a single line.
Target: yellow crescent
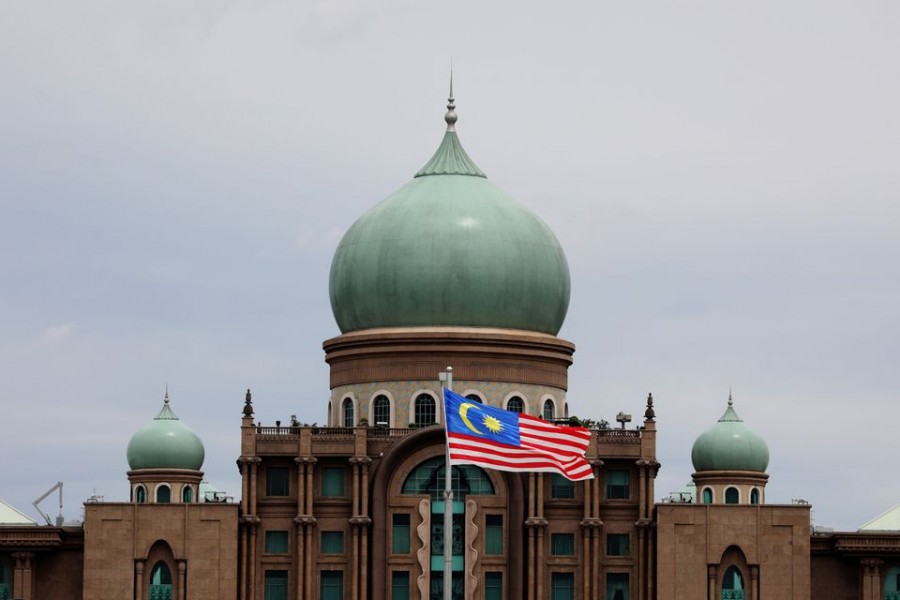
[(463, 409)]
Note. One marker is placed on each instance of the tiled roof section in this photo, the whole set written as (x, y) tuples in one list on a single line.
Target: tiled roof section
[(886, 521), (9, 515)]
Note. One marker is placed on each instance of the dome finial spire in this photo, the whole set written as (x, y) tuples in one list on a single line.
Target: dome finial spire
[(450, 117), (166, 397), (730, 401)]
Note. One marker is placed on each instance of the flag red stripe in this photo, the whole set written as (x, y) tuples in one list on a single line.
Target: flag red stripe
[(466, 449)]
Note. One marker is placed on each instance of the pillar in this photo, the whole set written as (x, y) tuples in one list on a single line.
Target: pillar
[(139, 579)]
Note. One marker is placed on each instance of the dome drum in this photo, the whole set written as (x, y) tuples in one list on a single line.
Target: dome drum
[(476, 354)]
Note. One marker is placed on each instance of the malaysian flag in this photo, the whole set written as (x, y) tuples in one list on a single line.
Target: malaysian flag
[(509, 441)]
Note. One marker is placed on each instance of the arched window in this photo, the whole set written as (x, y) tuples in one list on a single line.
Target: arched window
[(733, 584), (160, 582), (707, 496), (425, 408), (381, 410), (187, 494), (754, 496), (732, 496), (140, 494), (348, 413), (163, 494), (428, 478), (475, 398), (515, 404), (548, 410)]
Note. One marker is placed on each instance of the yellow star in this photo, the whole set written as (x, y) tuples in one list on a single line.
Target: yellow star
[(493, 424)]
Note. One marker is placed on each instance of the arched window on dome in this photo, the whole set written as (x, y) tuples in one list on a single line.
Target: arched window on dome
[(349, 418), (515, 404), (548, 409), (754, 496), (474, 398), (140, 494), (707, 496), (424, 410), (732, 496), (163, 493), (733, 584), (187, 494), (381, 411), (160, 582)]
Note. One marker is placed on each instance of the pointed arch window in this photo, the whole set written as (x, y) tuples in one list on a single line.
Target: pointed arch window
[(515, 404), (187, 494), (160, 582), (381, 410), (474, 398), (349, 417), (425, 410), (707, 496), (548, 410), (754, 496), (733, 584), (140, 494)]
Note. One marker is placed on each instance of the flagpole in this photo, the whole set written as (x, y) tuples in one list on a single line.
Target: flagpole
[(448, 498)]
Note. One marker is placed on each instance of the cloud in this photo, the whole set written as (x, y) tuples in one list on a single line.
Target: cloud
[(57, 334)]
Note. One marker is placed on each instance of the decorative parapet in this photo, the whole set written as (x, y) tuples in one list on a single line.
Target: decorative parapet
[(856, 543), (619, 436), (30, 536)]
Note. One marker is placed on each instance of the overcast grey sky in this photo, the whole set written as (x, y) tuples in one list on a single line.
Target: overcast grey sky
[(174, 178)]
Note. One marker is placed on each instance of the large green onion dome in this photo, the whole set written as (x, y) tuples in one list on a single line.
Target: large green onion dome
[(449, 249), (730, 446), (165, 443)]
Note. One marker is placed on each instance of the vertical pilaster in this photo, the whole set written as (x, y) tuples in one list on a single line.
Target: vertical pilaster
[(711, 576), (754, 582), (182, 583), (309, 531), (139, 580), (23, 576)]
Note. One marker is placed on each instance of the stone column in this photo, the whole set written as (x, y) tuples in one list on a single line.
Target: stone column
[(870, 569), (139, 580), (711, 575), (754, 582), (251, 523), (531, 564), (365, 524), (23, 577), (182, 583), (354, 530), (243, 583)]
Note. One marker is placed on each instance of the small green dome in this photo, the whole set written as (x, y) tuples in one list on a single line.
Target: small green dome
[(449, 248), (730, 446), (165, 443)]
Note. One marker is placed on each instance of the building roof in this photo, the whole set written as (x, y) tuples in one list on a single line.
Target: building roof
[(886, 521), (9, 515), (729, 445), (449, 249), (165, 443)]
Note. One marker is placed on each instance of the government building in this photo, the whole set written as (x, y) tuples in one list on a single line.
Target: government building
[(448, 271)]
